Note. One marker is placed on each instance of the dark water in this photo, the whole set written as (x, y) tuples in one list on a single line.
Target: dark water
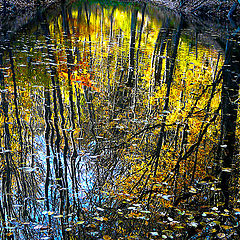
[(110, 113)]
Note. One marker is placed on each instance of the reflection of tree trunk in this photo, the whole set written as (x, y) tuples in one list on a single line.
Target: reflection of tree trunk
[(230, 90), (3, 104), (196, 45), (70, 62), (47, 134), (110, 55), (6, 177), (61, 180), (165, 107), (16, 102), (132, 47), (169, 82), (19, 126), (137, 58), (161, 43), (216, 81), (87, 93)]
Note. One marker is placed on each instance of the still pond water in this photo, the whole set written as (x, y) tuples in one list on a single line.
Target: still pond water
[(109, 112)]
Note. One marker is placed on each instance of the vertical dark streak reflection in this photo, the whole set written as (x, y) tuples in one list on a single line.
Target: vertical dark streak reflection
[(62, 185), (156, 155), (19, 126), (47, 134), (230, 93), (3, 103), (7, 155), (137, 58), (70, 65), (162, 42), (87, 93), (169, 82), (132, 47), (110, 55)]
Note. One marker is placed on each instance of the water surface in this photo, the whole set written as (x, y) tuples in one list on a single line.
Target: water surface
[(107, 111)]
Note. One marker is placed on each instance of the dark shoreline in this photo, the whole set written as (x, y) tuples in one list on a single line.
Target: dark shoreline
[(18, 17), (208, 13)]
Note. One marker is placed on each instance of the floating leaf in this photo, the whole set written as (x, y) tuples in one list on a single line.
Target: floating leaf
[(50, 213), (178, 226), (29, 169), (100, 209), (58, 216), (38, 227), (166, 197), (99, 219), (154, 233), (226, 227), (91, 226), (106, 237), (225, 214), (26, 223), (145, 211), (192, 190), (193, 224), (132, 208), (40, 199), (226, 169), (223, 146), (221, 235), (44, 228), (80, 222)]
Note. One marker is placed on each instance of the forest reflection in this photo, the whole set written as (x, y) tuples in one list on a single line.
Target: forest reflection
[(108, 114)]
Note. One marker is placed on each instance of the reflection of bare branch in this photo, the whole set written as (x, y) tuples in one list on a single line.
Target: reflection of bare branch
[(195, 145)]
